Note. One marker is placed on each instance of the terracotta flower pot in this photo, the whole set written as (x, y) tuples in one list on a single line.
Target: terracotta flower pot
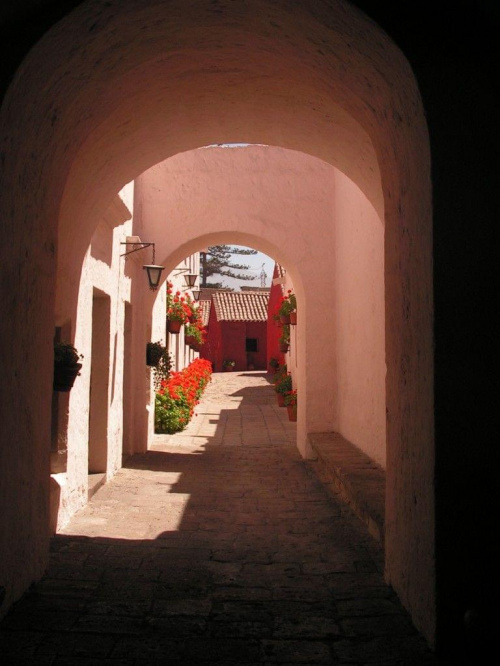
[(283, 347), (190, 340), (64, 376), (292, 412), (293, 318), (281, 399), (173, 326), (285, 319)]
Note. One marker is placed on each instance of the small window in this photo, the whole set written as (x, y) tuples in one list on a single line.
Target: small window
[(252, 345)]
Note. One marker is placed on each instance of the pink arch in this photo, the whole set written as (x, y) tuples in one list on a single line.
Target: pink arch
[(109, 92)]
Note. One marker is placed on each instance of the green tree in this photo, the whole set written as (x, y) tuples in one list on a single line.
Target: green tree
[(217, 261)]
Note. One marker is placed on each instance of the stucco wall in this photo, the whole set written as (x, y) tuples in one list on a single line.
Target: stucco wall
[(102, 276), (356, 290), (89, 109), (291, 200)]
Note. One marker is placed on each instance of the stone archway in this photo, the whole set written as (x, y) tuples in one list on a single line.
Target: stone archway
[(109, 92)]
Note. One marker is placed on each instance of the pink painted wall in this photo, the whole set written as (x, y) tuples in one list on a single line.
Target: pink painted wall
[(291, 201), (356, 289)]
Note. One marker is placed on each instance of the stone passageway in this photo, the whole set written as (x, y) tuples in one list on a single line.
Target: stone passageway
[(219, 546)]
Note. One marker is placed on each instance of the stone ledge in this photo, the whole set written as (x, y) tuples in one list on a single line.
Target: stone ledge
[(350, 473)]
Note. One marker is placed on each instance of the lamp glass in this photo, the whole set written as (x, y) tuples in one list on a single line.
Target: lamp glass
[(196, 294), (190, 279), (154, 275)]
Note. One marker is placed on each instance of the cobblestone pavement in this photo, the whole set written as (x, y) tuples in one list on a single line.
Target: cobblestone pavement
[(219, 546)]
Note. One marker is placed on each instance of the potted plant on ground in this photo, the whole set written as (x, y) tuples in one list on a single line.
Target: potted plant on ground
[(290, 400), (274, 364), (154, 350), (228, 365), (67, 366), (282, 387)]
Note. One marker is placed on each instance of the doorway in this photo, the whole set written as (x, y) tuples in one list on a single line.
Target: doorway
[(99, 387)]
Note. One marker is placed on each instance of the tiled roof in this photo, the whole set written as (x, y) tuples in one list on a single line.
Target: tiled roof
[(204, 307), (280, 270), (241, 306), (262, 290), (206, 292)]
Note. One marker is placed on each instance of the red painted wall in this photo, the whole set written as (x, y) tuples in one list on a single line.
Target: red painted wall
[(227, 341), (273, 330), (212, 349), (257, 329)]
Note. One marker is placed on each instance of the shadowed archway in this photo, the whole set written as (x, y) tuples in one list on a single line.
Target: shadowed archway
[(111, 91)]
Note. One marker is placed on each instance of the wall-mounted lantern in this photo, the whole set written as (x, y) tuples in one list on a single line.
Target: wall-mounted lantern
[(153, 271), (190, 279)]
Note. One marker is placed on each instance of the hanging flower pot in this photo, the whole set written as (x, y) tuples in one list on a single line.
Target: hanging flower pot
[(285, 319), (66, 366), (190, 340), (173, 326), (292, 412), (154, 351), (283, 347), (64, 377), (293, 318), (281, 399)]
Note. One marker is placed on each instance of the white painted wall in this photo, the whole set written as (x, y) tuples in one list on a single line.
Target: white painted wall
[(104, 270)]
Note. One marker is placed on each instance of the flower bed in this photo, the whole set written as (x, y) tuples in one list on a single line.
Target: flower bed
[(179, 394)]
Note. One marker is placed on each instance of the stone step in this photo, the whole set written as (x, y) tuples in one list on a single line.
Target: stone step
[(346, 471)]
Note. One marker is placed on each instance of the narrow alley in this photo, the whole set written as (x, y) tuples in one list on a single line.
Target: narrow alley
[(218, 546)]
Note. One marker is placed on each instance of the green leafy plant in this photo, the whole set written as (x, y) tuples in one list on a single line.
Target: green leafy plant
[(280, 372), (274, 363), (65, 354), (285, 335), (283, 384), (290, 398), (66, 366), (287, 305), (194, 332), (178, 395), (154, 350), (161, 372), (228, 363), (176, 306)]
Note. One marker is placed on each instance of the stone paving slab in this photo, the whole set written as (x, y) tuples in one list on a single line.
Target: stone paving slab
[(215, 549)]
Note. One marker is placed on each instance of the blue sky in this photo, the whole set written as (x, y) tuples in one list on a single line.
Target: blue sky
[(255, 263)]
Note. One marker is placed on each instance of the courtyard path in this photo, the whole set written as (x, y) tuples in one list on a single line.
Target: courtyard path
[(218, 546)]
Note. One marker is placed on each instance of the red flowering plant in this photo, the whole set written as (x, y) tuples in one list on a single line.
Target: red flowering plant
[(283, 384), (191, 309), (194, 333), (287, 305), (194, 329), (176, 307), (178, 396), (290, 398), (284, 338)]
